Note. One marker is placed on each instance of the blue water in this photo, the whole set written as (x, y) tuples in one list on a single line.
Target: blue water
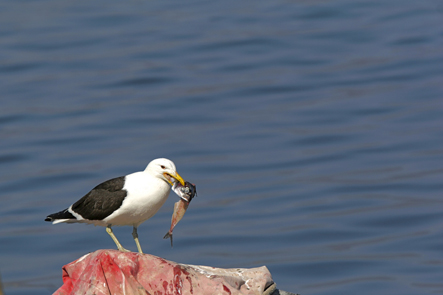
[(313, 130)]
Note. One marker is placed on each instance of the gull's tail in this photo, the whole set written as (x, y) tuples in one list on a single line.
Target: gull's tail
[(62, 216)]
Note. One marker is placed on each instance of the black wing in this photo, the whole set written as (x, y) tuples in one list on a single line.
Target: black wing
[(102, 200)]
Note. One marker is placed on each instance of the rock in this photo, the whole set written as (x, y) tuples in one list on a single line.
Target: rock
[(107, 272)]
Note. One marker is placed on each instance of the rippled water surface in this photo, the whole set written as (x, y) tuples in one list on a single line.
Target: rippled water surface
[(313, 130)]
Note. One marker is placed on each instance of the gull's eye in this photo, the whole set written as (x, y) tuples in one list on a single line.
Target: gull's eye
[(163, 167)]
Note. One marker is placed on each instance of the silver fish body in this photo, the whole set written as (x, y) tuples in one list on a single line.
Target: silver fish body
[(186, 193)]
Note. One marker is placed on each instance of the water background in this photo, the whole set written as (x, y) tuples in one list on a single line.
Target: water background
[(313, 130)]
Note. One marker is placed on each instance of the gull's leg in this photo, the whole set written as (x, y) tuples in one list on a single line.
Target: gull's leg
[(135, 236), (114, 238)]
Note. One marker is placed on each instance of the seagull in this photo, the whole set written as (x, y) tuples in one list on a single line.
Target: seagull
[(125, 200)]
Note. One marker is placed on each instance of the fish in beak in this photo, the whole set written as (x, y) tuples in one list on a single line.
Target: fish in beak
[(173, 178), (186, 193)]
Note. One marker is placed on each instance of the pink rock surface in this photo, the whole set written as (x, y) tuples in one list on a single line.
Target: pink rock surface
[(107, 272)]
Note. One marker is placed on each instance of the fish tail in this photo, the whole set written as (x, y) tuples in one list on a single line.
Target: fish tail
[(168, 235)]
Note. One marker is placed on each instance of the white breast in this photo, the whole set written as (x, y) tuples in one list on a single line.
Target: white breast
[(146, 194)]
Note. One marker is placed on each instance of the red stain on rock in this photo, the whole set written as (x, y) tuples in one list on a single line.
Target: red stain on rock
[(178, 282), (190, 284), (165, 286), (179, 274), (178, 269), (226, 289), (162, 261)]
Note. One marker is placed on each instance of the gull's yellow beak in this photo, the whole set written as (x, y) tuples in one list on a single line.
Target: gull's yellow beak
[(177, 177)]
